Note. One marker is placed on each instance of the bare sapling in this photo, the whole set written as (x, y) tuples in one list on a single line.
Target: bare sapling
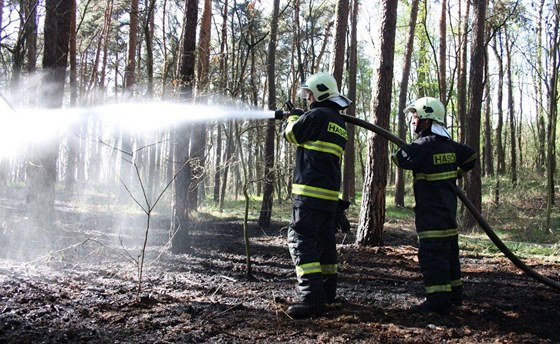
[(147, 208)]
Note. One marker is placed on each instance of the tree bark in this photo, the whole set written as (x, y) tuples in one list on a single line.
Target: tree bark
[(149, 39), (500, 151), (473, 184), (511, 110), (403, 92), (442, 75), (339, 49), (180, 242), (269, 173), (541, 131), (462, 76), (130, 70), (488, 144), (73, 145), (42, 161), (372, 216), (349, 167), (552, 117), (197, 154)]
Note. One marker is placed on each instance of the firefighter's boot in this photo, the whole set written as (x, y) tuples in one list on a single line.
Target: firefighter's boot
[(304, 309), (329, 285)]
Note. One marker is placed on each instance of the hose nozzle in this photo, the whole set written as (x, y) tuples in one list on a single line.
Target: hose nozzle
[(279, 114)]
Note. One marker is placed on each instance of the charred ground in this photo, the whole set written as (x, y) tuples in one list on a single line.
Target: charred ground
[(82, 288)]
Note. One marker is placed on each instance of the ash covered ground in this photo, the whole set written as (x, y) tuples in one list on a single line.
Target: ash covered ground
[(79, 284)]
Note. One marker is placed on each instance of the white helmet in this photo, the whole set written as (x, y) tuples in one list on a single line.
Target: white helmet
[(428, 108), (323, 86)]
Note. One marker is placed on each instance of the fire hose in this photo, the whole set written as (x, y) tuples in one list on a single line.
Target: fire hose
[(466, 201)]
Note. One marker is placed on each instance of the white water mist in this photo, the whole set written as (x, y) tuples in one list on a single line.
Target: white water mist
[(27, 125)]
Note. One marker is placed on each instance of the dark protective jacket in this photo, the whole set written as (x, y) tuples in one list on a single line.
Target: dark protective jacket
[(320, 136), (436, 162)]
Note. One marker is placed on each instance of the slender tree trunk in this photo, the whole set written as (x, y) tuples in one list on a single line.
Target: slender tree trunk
[(269, 173), (442, 75), (553, 99), (473, 184), (225, 171), (511, 110), (339, 49), (403, 93), (462, 75), (218, 164), (1, 17), (541, 131), (149, 39), (500, 151), (197, 154), (31, 34), (73, 145), (105, 39), (223, 86), (130, 70), (180, 242), (488, 147), (372, 216), (349, 174), (42, 162)]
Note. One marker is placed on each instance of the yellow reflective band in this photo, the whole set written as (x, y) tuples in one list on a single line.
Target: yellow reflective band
[(289, 129), (456, 283), (436, 176), (470, 159), (325, 147), (315, 192), (442, 288), (329, 269), (309, 268), (438, 233)]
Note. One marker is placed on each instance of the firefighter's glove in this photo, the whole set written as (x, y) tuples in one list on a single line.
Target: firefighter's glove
[(295, 112), (342, 223)]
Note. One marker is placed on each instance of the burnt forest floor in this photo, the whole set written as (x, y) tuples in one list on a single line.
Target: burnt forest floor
[(79, 284)]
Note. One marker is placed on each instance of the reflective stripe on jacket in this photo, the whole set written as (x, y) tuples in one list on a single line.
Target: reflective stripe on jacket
[(436, 162), (320, 135)]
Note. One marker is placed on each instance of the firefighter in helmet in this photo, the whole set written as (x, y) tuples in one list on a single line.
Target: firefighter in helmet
[(436, 162), (320, 136)]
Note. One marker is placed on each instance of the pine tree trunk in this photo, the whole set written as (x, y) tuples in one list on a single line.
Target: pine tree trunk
[(339, 49), (372, 216), (511, 110), (403, 92), (42, 162), (269, 173), (349, 172), (180, 242), (462, 75), (473, 184)]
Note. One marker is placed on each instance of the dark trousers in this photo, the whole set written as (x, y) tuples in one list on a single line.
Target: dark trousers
[(441, 271), (312, 245)]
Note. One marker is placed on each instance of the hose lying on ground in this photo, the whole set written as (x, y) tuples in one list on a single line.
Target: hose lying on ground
[(467, 202)]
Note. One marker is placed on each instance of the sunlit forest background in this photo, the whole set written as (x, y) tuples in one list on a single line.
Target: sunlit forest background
[(494, 64)]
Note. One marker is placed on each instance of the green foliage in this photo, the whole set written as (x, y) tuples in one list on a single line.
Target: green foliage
[(519, 219)]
